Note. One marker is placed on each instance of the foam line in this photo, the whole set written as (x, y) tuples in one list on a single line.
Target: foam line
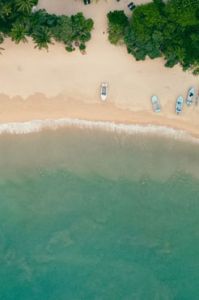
[(39, 125)]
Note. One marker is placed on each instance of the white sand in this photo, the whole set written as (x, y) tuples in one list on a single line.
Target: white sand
[(71, 79)]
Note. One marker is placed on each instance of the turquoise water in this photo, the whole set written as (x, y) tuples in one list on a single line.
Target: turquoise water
[(93, 215)]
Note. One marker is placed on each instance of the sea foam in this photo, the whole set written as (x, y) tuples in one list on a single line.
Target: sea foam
[(39, 125)]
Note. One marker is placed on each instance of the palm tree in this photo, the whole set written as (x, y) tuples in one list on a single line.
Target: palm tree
[(18, 33), (25, 6), (42, 37), (5, 10)]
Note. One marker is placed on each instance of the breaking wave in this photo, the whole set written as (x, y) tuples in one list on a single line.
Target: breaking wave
[(39, 125)]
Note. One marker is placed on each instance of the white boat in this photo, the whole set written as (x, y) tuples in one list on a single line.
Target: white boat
[(190, 96), (155, 104), (179, 105), (104, 91)]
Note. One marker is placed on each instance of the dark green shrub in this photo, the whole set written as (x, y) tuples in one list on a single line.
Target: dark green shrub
[(82, 47)]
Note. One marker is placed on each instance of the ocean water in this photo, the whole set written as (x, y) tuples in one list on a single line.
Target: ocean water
[(89, 214)]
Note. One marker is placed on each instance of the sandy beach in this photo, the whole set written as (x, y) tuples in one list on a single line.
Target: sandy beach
[(54, 84)]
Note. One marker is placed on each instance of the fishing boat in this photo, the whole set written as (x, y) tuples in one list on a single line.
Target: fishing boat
[(104, 91), (155, 104), (179, 105), (190, 96)]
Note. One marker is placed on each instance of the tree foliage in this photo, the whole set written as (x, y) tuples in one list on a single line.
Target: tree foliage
[(117, 23), (164, 28), (18, 21)]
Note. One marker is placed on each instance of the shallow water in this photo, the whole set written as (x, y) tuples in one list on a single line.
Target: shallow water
[(94, 215)]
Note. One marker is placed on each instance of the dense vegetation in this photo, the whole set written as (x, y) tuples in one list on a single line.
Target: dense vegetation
[(169, 29), (118, 22), (18, 21)]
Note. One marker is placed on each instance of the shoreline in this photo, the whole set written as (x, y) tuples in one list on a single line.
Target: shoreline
[(38, 113), (35, 126)]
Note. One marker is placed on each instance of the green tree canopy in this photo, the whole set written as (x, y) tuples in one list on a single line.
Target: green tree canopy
[(168, 29), (17, 21), (18, 32), (25, 6), (117, 23)]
